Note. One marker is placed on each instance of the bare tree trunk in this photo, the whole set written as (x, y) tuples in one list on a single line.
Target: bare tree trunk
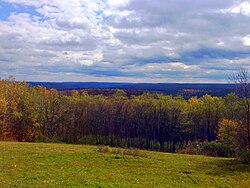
[(242, 81), (248, 123)]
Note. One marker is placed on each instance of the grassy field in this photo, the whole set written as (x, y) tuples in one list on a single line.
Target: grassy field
[(62, 165)]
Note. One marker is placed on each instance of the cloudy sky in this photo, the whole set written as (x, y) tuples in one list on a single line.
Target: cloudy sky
[(124, 40)]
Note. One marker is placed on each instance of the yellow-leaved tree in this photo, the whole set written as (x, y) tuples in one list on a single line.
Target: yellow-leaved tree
[(228, 132)]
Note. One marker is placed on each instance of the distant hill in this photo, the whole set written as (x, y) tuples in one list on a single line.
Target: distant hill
[(186, 90), (77, 85)]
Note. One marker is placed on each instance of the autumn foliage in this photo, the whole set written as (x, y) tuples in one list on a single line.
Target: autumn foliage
[(150, 120)]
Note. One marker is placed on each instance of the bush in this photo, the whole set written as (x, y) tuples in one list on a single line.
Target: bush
[(155, 145), (87, 140), (42, 138), (244, 156), (216, 149), (193, 148), (104, 149), (132, 152), (55, 139)]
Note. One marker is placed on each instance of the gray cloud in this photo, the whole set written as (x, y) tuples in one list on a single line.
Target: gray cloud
[(125, 40)]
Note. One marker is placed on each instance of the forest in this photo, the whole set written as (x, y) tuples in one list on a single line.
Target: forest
[(149, 121)]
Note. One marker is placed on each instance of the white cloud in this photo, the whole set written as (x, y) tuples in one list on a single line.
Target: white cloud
[(239, 8), (124, 40), (118, 3), (246, 40), (160, 67)]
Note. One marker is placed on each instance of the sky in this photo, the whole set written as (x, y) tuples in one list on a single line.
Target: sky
[(180, 41)]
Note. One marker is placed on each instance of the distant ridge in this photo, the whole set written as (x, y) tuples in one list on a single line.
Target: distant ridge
[(78, 85), (185, 89)]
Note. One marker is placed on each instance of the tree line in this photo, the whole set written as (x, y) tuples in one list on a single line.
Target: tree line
[(150, 120)]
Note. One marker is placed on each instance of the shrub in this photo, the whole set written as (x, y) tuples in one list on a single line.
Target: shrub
[(213, 148), (87, 140), (216, 149), (155, 145), (244, 156), (193, 148), (132, 152), (104, 149), (55, 139), (42, 138)]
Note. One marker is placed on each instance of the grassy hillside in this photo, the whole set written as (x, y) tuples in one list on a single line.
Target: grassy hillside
[(59, 165)]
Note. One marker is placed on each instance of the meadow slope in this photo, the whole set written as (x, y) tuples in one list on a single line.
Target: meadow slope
[(62, 165)]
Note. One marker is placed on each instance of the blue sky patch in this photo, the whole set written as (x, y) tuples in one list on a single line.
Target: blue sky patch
[(6, 9)]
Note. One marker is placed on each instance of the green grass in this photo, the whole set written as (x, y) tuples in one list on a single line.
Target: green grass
[(63, 165)]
